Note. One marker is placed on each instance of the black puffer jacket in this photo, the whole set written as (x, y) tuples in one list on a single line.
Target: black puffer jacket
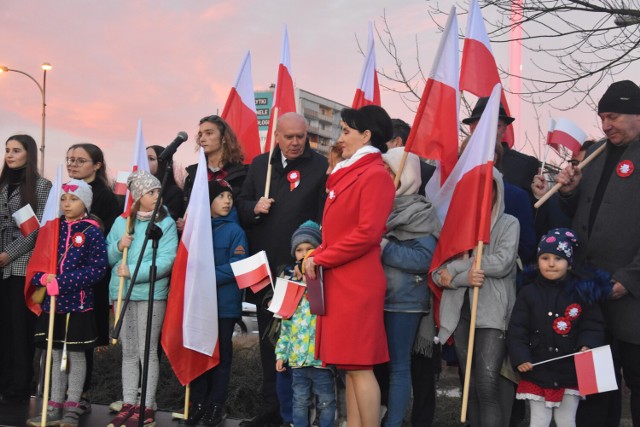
[(533, 338)]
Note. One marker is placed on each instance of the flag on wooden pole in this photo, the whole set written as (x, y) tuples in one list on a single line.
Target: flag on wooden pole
[(479, 72), (240, 111), (466, 196), (45, 252), (368, 92), (434, 134), (284, 94), (139, 162), (190, 329)]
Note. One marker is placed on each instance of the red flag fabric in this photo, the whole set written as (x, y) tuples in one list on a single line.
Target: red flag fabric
[(595, 371), (286, 297), (26, 220), (240, 111), (479, 72), (567, 133), (434, 134), (45, 251), (368, 92), (44, 258), (284, 95), (467, 194), (190, 329)]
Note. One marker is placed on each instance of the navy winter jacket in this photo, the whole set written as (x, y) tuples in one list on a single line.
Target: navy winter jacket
[(229, 245)]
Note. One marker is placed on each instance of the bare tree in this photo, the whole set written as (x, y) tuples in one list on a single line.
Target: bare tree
[(573, 45)]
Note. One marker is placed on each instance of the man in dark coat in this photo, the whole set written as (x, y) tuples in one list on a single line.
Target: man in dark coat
[(297, 194), (603, 201), (401, 130)]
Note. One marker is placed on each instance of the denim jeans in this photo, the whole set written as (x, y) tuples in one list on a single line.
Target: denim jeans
[(401, 332), (285, 394), (308, 383)]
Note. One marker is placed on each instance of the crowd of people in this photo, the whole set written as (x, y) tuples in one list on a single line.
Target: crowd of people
[(551, 282)]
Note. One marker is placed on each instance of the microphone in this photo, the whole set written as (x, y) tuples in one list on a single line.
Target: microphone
[(173, 147)]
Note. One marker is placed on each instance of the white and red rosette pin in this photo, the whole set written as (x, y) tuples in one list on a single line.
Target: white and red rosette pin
[(573, 311), (624, 168), (78, 239), (562, 325), (294, 179)]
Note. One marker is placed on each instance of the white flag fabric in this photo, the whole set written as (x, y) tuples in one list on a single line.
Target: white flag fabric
[(200, 321)]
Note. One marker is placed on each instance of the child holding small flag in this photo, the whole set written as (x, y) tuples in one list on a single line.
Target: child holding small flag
[(296, 346), (145, 191), (209, 391), (82, 262), (555, 315)]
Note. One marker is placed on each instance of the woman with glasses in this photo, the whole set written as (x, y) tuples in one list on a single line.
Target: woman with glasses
[(20, 185), (224, 157), (85, 161)]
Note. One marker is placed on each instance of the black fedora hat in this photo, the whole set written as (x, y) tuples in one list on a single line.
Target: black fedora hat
[(479, 109)]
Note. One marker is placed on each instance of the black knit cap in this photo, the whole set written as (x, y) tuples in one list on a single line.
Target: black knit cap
[(479, 109), (621, 97), (217, 187)]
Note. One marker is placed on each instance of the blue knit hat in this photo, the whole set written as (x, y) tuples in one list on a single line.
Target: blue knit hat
[(559, 241), (308, 232)]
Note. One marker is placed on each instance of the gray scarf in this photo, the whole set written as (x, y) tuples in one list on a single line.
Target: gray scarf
[(412, 216)]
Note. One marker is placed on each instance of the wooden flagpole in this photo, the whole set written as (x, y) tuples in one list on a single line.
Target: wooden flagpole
[(472, 336), (556, 187), (125, 251), (396, 180), (185, 414), (47, 365), (267, 185)]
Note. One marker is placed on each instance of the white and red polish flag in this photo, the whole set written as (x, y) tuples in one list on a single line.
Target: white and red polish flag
[(121, 183), (595, 371), (479, 72), (138, 162), (368, 92), (26, 220), (190, 329), (253, 272), (567, 133), (45, 252), (240, 111), (284, 96), (286, 297), (466, 196), (434, 134)]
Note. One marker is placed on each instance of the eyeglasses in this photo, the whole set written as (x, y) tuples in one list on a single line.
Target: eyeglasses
[(77, 161)]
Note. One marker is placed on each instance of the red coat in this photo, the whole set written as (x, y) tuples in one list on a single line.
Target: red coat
[(358, 204)]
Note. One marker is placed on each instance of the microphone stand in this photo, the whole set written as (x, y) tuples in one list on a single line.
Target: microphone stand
[(153, 233)]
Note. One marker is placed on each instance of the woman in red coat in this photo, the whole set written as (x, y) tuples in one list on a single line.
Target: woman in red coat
[(351, 334)]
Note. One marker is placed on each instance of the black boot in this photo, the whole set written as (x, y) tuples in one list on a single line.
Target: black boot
[(214, 416), (198, 410)]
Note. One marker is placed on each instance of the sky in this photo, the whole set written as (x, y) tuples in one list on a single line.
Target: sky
[(171, 62)]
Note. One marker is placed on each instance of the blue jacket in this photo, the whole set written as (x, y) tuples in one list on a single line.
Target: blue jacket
[(167, 249), (406, 267), (229, 245), (82, 263)]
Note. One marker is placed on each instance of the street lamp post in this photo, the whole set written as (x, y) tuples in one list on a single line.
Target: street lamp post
[(43, 91)]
